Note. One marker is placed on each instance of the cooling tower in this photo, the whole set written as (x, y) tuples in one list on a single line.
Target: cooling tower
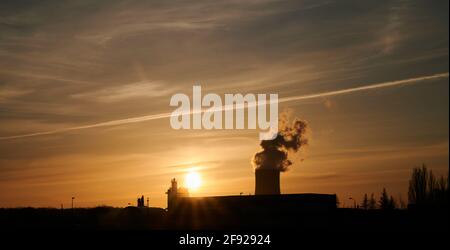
[(267, 181)]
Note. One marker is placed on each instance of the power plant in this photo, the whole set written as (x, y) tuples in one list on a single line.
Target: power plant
[(267, 181), (175, 192), (267, 207)]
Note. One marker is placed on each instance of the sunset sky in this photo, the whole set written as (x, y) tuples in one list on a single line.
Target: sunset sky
[(74, 64)]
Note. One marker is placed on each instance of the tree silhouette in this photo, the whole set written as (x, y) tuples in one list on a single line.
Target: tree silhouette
[(392, 203), (384, 200), (365, 202), (425, 189)]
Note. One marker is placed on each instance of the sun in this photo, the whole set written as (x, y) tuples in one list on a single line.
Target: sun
[(192, 180)]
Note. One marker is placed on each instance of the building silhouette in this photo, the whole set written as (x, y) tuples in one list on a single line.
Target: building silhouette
[(140, 202), (266, 209), (267, 181), (175, 192)]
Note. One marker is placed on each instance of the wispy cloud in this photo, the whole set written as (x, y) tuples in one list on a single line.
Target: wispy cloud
[(281, 100), (127, 91), (44, 77), (11, 93), (142, 28)]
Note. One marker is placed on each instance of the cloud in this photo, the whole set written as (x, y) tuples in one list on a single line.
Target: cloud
[(44, 77), (142, 28), (8, 93), (128, 91), (316, 176), (187, 16), (386, 153), (281, 100)]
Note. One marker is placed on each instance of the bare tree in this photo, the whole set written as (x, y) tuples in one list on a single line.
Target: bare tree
[(384, 201), (417, 192), (424, 188), (365, 202), (392, 203)]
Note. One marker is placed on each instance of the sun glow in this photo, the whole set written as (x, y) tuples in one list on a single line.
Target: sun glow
[(192, 180)]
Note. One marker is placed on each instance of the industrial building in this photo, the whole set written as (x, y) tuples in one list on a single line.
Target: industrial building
[(267, 208)]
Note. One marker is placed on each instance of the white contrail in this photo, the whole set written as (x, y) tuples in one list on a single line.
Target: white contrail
[(95, 125), (366, 87), (281, 100)]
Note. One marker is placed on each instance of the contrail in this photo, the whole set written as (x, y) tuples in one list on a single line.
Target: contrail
[(281, 100), (366, 87)]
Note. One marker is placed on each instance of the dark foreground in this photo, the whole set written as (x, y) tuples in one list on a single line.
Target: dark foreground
[(132, 218)]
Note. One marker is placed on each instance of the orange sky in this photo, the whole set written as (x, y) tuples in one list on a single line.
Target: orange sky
[(66, 65)]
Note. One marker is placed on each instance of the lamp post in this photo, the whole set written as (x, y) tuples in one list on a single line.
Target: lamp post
[(73, 211)]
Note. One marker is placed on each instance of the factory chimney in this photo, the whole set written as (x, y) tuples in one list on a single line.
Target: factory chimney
[(267, 181), (274, 156)]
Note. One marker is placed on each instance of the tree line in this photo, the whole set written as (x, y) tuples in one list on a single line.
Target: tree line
[(425, 189)]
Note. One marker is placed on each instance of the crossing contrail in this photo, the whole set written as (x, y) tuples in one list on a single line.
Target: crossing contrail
[(281, 100)]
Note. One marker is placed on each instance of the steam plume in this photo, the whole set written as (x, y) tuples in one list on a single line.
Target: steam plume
[(274, 154)]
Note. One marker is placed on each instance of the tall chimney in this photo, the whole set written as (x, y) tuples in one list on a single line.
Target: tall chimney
[(267, 181)]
